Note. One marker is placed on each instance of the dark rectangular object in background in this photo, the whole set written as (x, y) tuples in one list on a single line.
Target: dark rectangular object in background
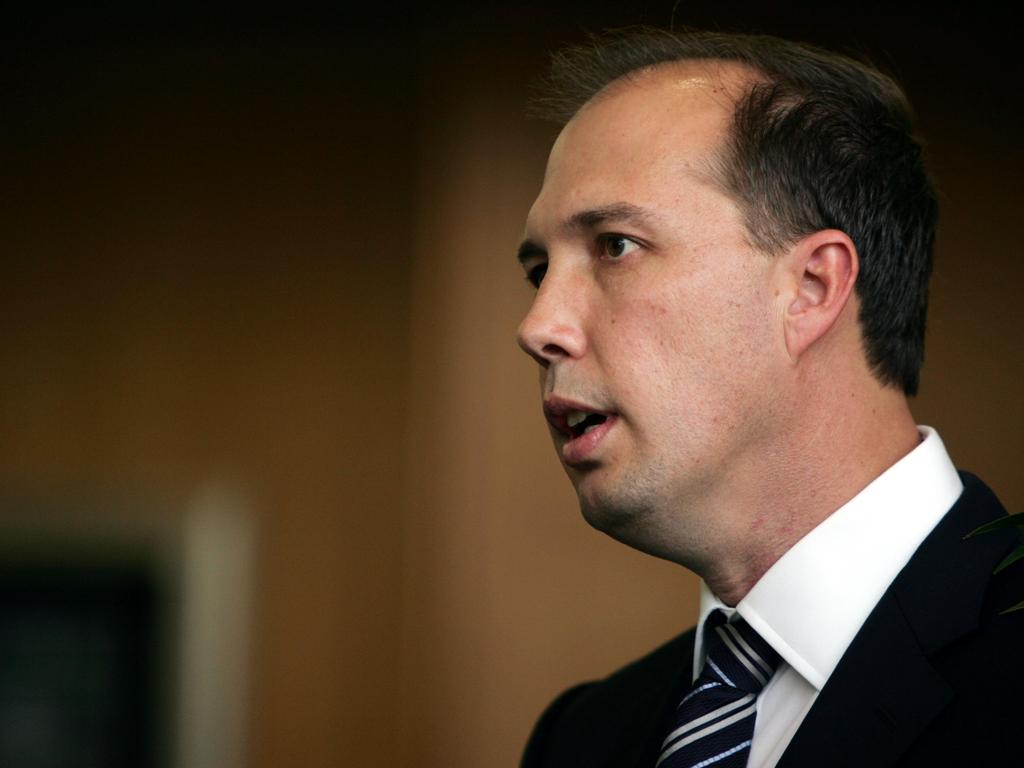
[(78, 667)]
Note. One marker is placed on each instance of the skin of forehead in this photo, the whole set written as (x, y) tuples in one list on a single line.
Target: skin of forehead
[(722, 81), (702, 92)]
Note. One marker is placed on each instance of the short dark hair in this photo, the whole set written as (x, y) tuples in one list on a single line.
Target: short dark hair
[(818, 141)]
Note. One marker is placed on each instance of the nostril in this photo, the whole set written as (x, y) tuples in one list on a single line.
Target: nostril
[(554, 350)]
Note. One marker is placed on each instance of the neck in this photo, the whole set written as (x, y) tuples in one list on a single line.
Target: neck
[(828, 458)]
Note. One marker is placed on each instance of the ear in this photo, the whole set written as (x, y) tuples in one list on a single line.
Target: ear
[(823, 268)]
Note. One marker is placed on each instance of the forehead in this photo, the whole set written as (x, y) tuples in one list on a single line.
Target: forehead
[(639, 138)]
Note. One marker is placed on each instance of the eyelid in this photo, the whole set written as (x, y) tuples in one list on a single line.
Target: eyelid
[(530, 265), (605, 237)]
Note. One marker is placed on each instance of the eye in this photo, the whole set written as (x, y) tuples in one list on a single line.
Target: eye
[(616, 246), (535, 274)]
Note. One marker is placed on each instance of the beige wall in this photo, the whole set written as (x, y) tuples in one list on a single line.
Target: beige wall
[(206, 277), (253, 266)]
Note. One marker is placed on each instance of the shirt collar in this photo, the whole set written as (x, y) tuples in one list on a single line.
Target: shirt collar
[(812, 602)]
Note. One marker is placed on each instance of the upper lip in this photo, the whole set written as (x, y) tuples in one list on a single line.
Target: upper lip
[(557, 410)]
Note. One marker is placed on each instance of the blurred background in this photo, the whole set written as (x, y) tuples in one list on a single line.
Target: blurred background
[(274, 484)]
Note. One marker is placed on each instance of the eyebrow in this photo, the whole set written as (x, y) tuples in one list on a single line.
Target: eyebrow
[(615, 212), (586, 220)]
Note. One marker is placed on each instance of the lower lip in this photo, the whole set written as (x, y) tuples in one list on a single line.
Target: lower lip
[(581, 449)]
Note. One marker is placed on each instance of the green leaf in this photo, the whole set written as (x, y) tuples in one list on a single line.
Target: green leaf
[(1018, 607), (1010, 521), (1013, 557)]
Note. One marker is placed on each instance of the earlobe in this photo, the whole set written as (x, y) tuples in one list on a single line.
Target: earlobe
[(823, 271)]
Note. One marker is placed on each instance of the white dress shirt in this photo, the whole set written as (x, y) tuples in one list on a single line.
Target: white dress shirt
[(812, 602)]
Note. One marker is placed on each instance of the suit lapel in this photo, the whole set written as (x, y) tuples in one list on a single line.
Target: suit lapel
[(885, 692), (652, 712), (634, 710), (877, 701)]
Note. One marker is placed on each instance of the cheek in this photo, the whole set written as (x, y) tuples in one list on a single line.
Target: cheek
[(659, 347), (694, 355), (643, 323), (675, 327)]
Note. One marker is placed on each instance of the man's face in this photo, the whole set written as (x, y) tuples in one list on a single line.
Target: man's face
[(655, 323)]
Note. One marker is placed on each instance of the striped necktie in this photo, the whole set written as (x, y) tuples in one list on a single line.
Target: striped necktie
[(714, 723)]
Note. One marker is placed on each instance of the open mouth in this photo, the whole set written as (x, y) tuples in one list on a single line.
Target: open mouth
[(581, 431), (581, 422)]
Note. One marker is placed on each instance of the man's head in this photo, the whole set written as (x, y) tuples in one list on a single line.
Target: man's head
[(695, 245), (816, 141)]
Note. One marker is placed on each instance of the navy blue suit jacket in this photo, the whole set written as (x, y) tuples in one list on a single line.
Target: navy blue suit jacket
[(935, 676)]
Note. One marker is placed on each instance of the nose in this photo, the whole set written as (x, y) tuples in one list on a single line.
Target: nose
[(552, 329)]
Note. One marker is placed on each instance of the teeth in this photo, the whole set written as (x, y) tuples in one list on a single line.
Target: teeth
[(575, 417)]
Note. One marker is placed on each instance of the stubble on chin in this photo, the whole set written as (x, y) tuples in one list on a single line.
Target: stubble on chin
[(627, 516), (639, 518)]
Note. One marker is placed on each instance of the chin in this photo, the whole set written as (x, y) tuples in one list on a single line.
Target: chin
[(634, 522), (625, 520)]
